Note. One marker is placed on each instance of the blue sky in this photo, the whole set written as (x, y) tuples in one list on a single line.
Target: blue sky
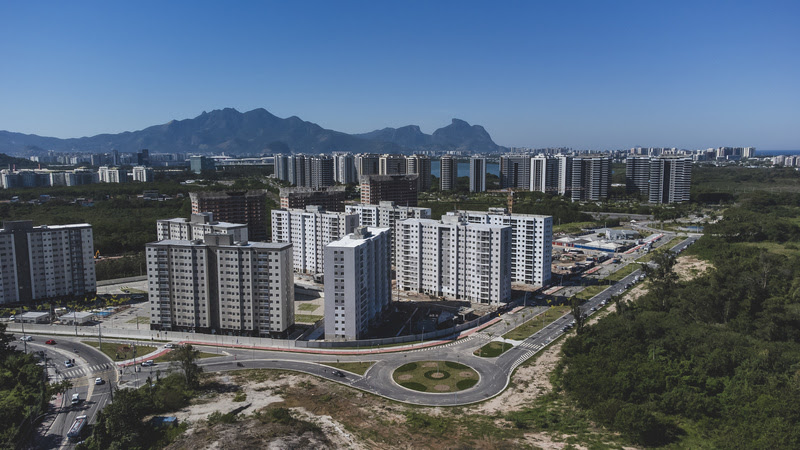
[(582, 74)]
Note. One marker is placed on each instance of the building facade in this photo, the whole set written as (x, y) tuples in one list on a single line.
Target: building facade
[(386, 215), (531, 242), (332, 198), (421, 166), (218, 286), (477, 174), (309, 230), (448, 170), (591, 178), (670, 179), (515, 171), (357, 284), (344, 168), (401, 189), (197, 227), (544, 174), (392, 164), (637, 175), (143, 174), (44, 262), (455, 259), (249, 207)]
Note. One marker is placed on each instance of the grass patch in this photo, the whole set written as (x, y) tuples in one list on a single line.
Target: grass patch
[(354, 367), (590, 291), (571, 228), (240, 397), (435, 376), (623, 272), (139, 319), (536, 323), (310, 307), (493, 349), (121, 352), (306, 318), (787, 248)]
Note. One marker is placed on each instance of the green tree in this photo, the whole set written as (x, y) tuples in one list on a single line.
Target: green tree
[(577, 315), (186, 357)]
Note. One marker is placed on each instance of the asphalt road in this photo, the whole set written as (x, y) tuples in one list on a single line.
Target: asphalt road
[(494, 372)]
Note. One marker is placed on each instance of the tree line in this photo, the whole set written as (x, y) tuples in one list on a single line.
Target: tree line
[(716, 356)]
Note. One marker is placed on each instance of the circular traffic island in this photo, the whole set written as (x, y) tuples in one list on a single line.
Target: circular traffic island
[(435, 376)]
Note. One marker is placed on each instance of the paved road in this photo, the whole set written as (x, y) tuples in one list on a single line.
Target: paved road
[(88, 365), (494, 372)]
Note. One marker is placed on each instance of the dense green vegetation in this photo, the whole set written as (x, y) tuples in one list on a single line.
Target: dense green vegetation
[(121, 222), (24, 392), (560, 208), (725, 184), (712, 361)]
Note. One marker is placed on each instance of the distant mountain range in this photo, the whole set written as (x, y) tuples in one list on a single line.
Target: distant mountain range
[(256, 132)]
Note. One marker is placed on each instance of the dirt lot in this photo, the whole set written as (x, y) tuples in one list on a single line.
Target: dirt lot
[(689, 267)]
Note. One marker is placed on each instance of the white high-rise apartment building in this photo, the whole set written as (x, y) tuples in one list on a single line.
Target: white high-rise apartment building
[(344, 168), (219, 286), (112, 175), (531, 242), (544, 174), (44, 262), (591, 178), (310, 230), (386, 215), (455, 259), (670, 179), (357, 284), (198, 226), (143, 174)]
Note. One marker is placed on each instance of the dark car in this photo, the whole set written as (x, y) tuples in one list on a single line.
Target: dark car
[(338, 373)]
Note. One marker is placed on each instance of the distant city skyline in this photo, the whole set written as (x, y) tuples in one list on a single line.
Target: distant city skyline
[(585, 75)]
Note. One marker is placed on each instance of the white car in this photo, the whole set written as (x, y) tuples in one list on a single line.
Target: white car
[(148, 363), (98, 381), (26, 338), (169, 346)]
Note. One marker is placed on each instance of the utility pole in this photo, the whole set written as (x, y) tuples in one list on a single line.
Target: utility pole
[(24, 342)]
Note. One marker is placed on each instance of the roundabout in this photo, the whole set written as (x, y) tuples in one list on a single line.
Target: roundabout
[(435, 376)]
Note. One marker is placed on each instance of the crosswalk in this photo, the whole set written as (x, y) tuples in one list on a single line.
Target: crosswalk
[(530, 350), (82, 371)]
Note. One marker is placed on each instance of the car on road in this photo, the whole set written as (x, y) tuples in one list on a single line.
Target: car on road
[(170, 345), (50, 342), (338, 373), (68, 363), (76, 398), (98, 381), (26, 338), (148, 363)]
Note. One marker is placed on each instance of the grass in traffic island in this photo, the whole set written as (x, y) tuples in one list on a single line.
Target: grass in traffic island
[(493, 349), (435, 376)]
